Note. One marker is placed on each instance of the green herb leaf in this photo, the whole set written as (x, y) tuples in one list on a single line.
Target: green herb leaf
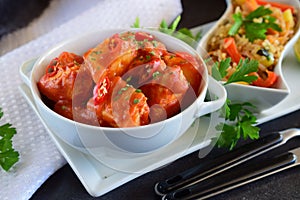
[(219, 69), (6, 131), (8, 159), (156, 74), (8, 156), (163, 24), (259, 12), (238, 22), (215, 72), (186, 32), (136, 101), (1, 113), (136, 24), (255, 31), (224, 65), (242, 72), (175, 23), (229, 136), (272, 23), (256, 23), (244, 67), (249, 130), (183, 34), (240, 123), (226, 109)]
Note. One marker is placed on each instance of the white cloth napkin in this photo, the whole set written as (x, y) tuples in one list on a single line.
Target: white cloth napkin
[(39, 157)]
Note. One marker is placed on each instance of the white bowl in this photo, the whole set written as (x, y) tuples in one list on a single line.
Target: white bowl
[(262, 98), (140, 139)]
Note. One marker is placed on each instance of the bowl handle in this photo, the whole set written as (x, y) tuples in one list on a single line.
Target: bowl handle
[(25, 71), (219, 91)]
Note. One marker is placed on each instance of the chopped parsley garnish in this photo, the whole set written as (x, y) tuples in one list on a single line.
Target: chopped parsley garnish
[(96, 52), (123, 89), (136, 101), (148, 58), (156, 74), (8, 156), (155, 43), (256, 23), (152, 53)]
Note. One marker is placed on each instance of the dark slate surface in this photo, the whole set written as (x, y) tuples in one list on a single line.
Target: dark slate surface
[(15, 14)]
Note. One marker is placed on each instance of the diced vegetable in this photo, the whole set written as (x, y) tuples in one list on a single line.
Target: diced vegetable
[(265, 57), (267, 81), (101, 90), (251, 5), (288, 18), (231, 49)]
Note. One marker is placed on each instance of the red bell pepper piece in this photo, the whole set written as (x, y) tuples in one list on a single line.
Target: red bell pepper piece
[(269, 81), (101, 90)]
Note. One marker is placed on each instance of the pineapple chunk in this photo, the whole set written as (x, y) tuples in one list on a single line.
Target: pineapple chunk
[(288, 18)]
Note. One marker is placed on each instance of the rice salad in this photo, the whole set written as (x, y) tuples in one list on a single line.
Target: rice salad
[(256, 30)]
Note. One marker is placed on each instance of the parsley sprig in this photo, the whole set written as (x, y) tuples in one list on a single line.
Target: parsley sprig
[(256, 23), (8, 156), (240, 123), (241, 74)]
